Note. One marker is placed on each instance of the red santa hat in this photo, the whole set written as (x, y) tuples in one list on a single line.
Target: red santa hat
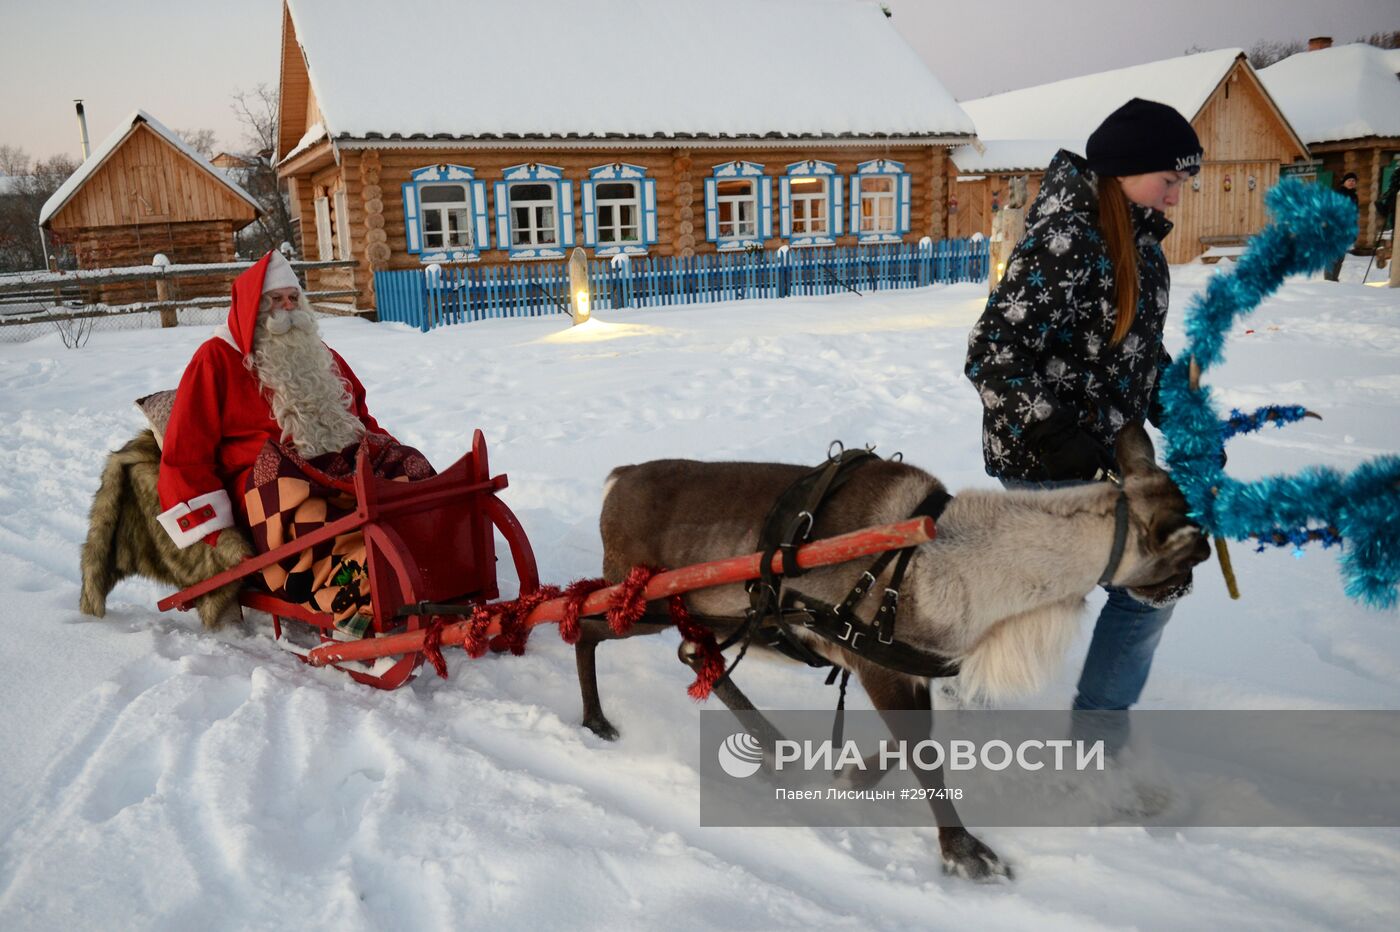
[(271, 271)]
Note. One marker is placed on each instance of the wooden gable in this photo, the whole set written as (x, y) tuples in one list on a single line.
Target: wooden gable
[(295, 101), (1240, 122), (148, 180)]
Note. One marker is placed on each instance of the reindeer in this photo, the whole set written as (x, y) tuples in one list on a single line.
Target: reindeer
[(1000, 590)]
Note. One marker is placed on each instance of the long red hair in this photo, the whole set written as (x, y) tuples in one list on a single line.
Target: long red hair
[(1116, 224)]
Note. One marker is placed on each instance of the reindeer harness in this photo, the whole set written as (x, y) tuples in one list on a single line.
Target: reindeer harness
[(775, 611)]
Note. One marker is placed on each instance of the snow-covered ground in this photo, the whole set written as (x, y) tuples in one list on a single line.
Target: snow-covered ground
[(154, 776)]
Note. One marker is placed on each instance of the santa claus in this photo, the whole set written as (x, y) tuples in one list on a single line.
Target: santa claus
[(264, 401), (264, 375)]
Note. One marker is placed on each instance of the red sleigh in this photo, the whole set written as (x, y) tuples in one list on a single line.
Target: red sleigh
[(426, 541), (431, 554)]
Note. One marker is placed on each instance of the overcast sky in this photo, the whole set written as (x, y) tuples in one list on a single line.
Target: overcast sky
[(182, 60)]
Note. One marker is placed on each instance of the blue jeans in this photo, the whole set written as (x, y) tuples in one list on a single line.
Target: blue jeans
[(1125, 637)]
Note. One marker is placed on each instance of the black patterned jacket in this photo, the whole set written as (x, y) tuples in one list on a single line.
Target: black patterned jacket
[(1039, 355)]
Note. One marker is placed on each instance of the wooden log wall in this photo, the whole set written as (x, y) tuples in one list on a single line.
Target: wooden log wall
[(372, 181), (181, 243)]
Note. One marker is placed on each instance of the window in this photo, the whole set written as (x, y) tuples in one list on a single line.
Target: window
[(810, 203), (880, 201), (342, 225), (877, 202), (738, 210), (324, 243), (535, 212), (619, 210), (532, 215), (738, 206), (446, 216), (809, 200)]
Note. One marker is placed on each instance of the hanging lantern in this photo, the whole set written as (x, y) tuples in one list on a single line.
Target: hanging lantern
[(1228, 184), (1249, 182), (953, 204), (1196, 182)]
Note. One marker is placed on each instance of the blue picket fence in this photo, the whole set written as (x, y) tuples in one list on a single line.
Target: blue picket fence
[(456, 294)]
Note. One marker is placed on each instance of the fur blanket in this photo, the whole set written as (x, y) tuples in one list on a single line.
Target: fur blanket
[(124, 539)]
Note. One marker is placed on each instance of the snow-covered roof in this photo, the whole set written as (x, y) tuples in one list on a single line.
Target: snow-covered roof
[(599, 67), (1069, 110), (1343, 92), (1003, 155), (1392, 59), (109, 145)]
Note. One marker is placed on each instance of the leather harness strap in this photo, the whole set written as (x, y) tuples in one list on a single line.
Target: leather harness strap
[(1120, 532), (774, 615)]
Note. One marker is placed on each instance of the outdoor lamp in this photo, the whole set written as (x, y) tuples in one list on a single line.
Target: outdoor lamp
[(578, 287)]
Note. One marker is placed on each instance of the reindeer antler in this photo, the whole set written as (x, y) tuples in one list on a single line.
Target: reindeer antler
[(1311, 227)]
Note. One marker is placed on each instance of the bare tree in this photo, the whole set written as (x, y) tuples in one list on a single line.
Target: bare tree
[(1266, 52), (14, 161), (200, 140), (23, 190), (257, 111)]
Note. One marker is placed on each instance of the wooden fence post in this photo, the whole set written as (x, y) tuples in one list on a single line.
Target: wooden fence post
[(168, 315)]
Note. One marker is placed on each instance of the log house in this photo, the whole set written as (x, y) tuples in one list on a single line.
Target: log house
[(685, 164), (1246, 137)]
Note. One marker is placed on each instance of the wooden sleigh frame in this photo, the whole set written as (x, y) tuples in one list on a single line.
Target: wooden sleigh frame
[(426, 541)]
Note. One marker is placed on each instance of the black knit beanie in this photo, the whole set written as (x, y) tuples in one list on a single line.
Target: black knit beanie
[(1143, 136)]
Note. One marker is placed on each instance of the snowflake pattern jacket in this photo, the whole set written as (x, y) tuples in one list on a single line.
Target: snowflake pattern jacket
[(1039, 355)]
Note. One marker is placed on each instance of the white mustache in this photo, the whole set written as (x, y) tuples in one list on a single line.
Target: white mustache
[(279, 322)]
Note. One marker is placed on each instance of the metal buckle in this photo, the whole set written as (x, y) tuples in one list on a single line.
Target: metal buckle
[(802, 517), (850, 634), (863, 584)]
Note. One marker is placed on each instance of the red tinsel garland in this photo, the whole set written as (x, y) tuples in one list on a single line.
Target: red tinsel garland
[(627, 608), (710, 669), (629, 605), (574, 596)]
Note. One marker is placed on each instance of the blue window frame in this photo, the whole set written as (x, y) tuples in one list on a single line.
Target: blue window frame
[(810, 204), (619, 210), (738, 206), (444, 214), (880, 201), (534, 212)]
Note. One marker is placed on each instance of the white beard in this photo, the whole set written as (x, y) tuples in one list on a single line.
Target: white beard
[(310, 402)]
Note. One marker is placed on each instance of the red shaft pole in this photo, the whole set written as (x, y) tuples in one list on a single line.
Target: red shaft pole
[(864, 542)]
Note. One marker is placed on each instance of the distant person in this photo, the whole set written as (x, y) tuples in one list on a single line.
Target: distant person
[(1069, 348), (1348, 190)]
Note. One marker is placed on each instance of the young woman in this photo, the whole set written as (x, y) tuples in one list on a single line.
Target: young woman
[(1069, 347)]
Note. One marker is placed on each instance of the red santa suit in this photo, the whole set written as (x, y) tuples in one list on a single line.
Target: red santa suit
[(221, 420)]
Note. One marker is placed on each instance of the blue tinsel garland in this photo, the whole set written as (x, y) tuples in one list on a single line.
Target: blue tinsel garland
[(1311, 227)]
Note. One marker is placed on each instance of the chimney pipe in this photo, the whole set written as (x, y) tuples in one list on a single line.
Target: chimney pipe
[(1319, 42), (82, 129)]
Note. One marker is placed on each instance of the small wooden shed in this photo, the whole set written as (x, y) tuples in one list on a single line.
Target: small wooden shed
[(1345, 102), (144, 191), (1247, 139)]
